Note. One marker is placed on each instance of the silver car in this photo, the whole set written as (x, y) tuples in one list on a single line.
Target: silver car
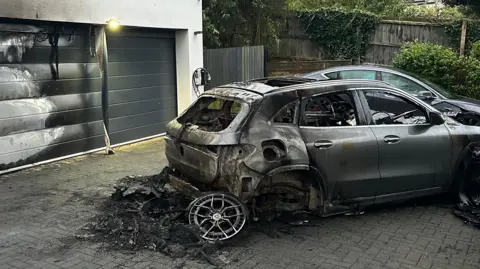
[(329, 147)]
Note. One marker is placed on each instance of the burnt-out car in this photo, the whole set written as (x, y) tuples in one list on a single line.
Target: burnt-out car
[(327, 147)]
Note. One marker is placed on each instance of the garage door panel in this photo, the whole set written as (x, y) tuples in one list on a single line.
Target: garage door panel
[(141, 81), (132, 134), (144, 119), (38, 55), (140, 55), (65, 71), (134, 42), (143, 33), (134, 108), (49, 120), (48, 105), (77, 40), (28, 141), (140, 94), (50, 152), (138, 68), (133, 121), (20, 89)]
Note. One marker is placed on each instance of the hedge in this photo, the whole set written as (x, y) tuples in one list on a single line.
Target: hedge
[(460, 75)]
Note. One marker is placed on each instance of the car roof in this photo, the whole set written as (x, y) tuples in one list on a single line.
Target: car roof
[(268, 84), (260, 87), (374, 67)]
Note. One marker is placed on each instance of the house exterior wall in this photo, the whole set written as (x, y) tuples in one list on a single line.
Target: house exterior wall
[(185, 16)]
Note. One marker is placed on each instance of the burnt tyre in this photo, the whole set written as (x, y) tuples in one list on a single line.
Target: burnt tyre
[(219, 216)]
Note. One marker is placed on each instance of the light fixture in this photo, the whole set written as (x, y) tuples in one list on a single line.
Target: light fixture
[(113, 24)]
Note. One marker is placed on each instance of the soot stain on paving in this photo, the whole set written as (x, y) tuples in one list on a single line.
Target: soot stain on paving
[(145, 212)]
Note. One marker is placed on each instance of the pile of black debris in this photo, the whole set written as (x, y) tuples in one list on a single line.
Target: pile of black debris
[(469, 206), (145, 212)]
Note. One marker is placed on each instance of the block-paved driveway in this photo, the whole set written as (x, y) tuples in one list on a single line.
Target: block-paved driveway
[(41, 208)]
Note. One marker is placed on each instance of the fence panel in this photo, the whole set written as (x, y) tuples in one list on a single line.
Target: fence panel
[(234, 64), (391, 35), (388, 38)]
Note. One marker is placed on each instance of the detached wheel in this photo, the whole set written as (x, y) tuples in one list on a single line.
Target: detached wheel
[(219, 216)]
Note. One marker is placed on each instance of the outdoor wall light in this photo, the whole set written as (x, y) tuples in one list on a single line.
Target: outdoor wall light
[(113, 24)]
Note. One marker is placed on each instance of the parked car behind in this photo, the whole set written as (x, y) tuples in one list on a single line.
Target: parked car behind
[(329, 147), (464, 109)]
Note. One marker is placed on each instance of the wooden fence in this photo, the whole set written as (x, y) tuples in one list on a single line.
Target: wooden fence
[(387, 40), (234, 64), (296, 66), (391, 35)]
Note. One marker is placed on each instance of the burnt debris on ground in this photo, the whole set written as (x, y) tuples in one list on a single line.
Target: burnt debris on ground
[(145, 212), (469, 206)]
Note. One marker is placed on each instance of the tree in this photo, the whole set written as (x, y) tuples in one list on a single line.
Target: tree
[(230, 23), (473, 5), (379, 7)]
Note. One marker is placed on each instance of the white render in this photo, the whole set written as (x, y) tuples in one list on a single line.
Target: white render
[(185, 16)]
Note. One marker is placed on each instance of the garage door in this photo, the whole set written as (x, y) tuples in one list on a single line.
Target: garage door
[(142, 83), (50, 110)]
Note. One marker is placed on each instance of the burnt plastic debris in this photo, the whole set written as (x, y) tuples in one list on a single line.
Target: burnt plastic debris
[(469, 192), (145, 212)]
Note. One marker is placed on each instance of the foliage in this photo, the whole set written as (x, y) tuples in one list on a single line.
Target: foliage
[(385, 9), (430, 13), (231, 23), (475, 51), (460, 75), (454, 31), (379, 7), (470, 5), (339, 33)]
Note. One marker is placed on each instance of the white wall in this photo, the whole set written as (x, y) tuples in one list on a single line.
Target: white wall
[(183, 15)]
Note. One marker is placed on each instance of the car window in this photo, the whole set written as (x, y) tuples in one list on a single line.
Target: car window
[(329, 110), (333, 75), (402, 83), (314, 75), (357, 74), (387, 108), (287, 114)]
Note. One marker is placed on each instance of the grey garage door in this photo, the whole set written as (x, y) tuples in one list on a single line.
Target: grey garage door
[(50, 110), (142, 83)]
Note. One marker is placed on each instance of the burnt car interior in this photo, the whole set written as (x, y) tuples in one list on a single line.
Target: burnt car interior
[(212, 114), (333, 109), (386, 108)]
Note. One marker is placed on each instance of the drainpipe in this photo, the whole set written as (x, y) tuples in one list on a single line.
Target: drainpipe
[(102, 58)]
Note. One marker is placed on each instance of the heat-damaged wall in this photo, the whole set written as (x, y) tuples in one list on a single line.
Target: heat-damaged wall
[(50, 89), (44, 105), (185, 16)]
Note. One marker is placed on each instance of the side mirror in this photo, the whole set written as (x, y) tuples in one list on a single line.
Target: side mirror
[(436, 118), (426, 95)]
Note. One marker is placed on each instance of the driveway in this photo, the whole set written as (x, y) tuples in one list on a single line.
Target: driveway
[(41, 208)]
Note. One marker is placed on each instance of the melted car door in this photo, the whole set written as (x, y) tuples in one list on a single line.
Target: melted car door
[(340, 144)]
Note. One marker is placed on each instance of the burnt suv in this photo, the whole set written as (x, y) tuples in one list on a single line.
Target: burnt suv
[(328, 147)]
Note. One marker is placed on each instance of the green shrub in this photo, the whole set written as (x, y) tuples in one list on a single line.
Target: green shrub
[(475, 50), (460, 75), (429, 13)]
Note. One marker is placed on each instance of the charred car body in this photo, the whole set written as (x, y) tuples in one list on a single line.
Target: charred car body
[(326, 146)]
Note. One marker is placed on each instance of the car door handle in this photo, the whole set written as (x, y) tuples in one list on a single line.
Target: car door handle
[(391, 139), (323, 144)]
